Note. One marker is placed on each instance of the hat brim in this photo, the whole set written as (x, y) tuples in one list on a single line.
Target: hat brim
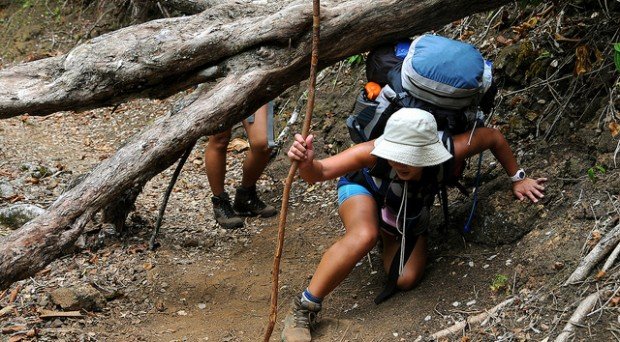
[(420, 156)]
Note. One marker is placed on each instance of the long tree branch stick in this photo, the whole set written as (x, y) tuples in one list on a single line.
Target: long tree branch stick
[(293, 170)]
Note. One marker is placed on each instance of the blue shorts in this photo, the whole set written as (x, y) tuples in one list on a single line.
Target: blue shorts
[(348, 189)]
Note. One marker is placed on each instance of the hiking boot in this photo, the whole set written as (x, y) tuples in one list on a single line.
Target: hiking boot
[(299, 320), (224, 213), (247, 203)]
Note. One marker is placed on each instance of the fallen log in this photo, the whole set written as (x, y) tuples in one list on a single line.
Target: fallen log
[(259, 68), (130, 62)]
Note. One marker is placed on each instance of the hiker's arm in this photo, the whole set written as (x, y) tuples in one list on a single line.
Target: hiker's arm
[(486, 138), (312, 170)]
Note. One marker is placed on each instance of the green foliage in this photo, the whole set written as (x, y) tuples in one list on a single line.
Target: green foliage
[(27, 3), (617, 55), (56, 13), (499, 283), (354, 60), (544, 54), (594, 172)]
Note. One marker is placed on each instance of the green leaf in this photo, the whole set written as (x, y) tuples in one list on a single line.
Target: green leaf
[(591, 174), (617, 56), (354, 60), (544, 54)]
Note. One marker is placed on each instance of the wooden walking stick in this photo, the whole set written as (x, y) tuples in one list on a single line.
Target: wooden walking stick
[(293, 170)]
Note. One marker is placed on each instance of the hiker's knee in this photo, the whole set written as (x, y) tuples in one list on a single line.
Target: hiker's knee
[(408, 280), (363, 239), (260, 147), (219, 142)]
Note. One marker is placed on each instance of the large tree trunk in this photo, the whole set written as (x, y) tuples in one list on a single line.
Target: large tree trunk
[(260, 65)]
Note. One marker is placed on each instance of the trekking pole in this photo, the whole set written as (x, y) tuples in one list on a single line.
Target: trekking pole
[(474, 205), (293, 170), (162, 207)]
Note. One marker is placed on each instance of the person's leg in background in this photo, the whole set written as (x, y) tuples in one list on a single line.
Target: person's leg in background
[(247, 202), (215, 164)]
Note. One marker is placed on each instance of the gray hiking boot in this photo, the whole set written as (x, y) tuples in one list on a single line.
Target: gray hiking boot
[(224, 213), (299, 320), (247, 203)]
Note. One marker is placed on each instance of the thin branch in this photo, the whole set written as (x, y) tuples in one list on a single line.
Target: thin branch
[(611, 239), (460, 326), (580, 313)]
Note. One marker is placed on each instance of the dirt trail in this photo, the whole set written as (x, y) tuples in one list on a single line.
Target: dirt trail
[(209, 284)]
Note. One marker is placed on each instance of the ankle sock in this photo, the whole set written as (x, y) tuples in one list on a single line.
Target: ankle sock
[(307, 296)]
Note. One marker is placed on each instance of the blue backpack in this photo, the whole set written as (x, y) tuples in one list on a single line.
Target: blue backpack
[(448, 78)]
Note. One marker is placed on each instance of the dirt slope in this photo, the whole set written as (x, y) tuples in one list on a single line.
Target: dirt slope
[(209, 284)]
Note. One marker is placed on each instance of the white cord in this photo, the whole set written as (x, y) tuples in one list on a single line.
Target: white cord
[(402, 229)]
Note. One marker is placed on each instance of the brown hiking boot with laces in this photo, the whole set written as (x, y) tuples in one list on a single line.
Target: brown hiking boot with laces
[(299, 320), (247, 203), (224, 213)]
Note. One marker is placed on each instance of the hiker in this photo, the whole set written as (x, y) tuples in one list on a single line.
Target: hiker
[(374, 175), (247, 202)]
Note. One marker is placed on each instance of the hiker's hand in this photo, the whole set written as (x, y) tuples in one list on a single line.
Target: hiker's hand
[(529, 188), (302, 151)]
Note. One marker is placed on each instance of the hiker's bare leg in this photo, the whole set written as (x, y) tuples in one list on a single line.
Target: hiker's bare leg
[(258, 155), (359, 215), (414, 268), (215, 161)]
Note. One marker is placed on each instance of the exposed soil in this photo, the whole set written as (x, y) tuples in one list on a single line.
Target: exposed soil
[(209, 284)]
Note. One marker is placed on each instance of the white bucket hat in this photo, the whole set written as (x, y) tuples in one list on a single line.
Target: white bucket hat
[(410, 138)]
